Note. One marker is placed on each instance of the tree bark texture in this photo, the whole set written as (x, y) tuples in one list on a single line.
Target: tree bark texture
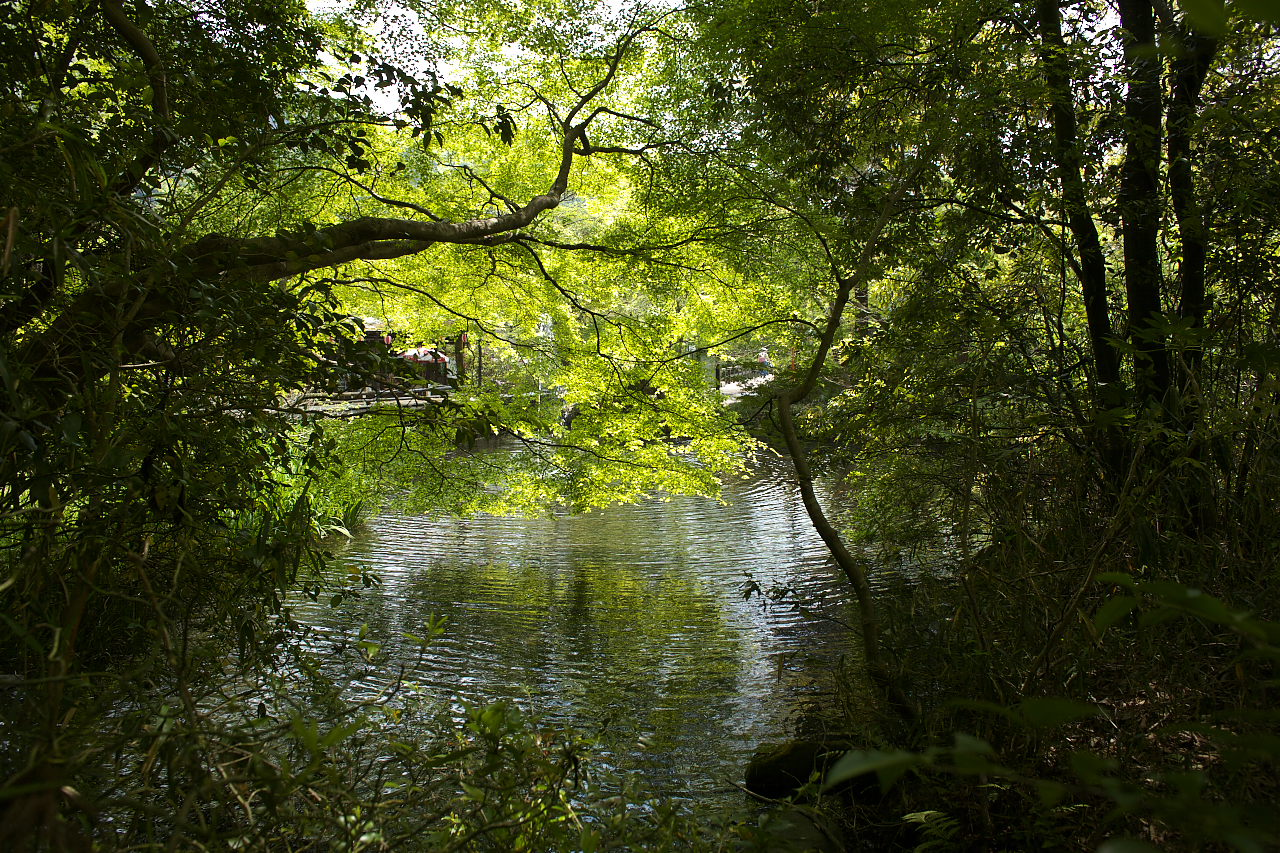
[(1139, 201), (1092, 267), (1190, 67)]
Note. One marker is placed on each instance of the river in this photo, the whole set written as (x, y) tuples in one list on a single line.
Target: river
[(629, 623)]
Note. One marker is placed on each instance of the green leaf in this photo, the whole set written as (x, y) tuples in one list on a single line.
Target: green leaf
[(888, 766), (972, 745), (983, 705), (1044, 712), (71, 426), (1244, 840), (306, 732), (1112, 611), (1261, 10), (1157, 617), (338, 734), (1051, 793), (1208, 16), (971, 755), (1126, 845), (1123, 579), (1193, 601)]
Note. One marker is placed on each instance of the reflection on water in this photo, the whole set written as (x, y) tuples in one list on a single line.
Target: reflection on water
[(628, 622)]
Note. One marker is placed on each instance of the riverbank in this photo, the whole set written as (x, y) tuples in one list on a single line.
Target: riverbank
[(1079, 674)]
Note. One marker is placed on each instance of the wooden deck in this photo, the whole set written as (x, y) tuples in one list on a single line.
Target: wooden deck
[(350, 404)]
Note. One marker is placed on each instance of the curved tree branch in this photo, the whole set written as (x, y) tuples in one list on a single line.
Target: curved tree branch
[(367, 190), (145, 51), (379, 238), (877, 666), (1092, 267), (285, 255)]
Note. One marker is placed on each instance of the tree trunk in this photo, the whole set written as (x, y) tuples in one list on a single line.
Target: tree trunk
[(1066, 152), (460, 357), (1092, 267), (1190, 67), (877, 665), (1139, 202), (1193, 57)]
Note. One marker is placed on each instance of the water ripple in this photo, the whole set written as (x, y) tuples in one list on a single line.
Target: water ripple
[(631, 618)]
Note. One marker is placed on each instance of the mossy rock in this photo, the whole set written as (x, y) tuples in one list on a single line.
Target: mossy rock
[(776, 771)]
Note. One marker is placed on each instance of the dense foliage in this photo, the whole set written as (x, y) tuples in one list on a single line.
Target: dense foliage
[(1014, 263), (1053, 377)]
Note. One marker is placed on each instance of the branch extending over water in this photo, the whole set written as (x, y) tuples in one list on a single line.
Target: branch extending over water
[(853, 570)]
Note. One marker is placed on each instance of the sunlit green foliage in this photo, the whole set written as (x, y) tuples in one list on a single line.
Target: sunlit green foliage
[(162, 165), (1056, 226)]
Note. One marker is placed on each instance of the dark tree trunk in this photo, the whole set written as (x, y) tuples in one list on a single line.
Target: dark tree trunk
[(1066, 152), (1139, 201), (1191, 62), (1190, 67), (1092, 267)]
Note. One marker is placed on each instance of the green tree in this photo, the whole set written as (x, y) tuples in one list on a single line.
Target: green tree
[(1028, 363), (194, 197)]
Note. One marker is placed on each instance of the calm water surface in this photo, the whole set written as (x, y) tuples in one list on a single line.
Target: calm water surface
[(629, 623)]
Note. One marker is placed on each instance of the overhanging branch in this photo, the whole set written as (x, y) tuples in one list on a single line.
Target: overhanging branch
[(380, 238)]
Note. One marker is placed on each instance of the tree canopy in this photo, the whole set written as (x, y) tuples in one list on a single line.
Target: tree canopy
[(1013, 263)]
